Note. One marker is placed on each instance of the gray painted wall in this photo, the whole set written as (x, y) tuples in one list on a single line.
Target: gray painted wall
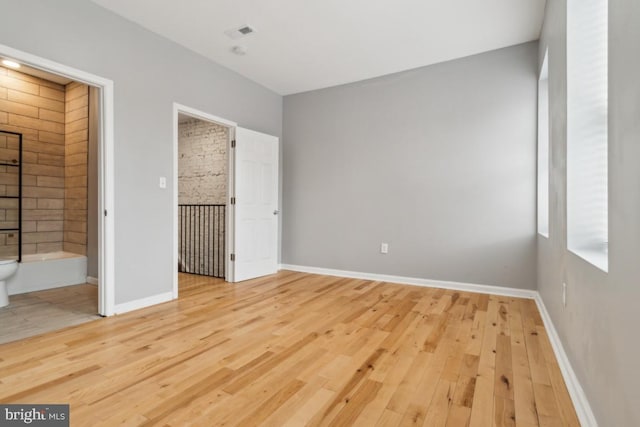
[(439, 162), (149, 73), (598, 327)]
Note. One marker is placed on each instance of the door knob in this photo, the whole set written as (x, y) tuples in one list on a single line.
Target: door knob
[(276, 212)]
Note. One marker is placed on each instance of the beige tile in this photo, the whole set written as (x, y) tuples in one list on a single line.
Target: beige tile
[(77, 226), (76, 90), (76, 159), (51, 204), (50, 159), (79, 136), (50, 93), (28, 249), (53, 138), (77, 125), (53, 116), (75, 248), (35, 100), (75, 237), (76, 181), (16, 108), (50, 181), (19, 85), (38, 312), (74, 115), (72, 215), (45, 248), (30, 122), (50, 226), (77, 148), (43, 237), (43, 170), (79, 102), (18, 75), (78, 170), (43, 192), (29, 226), (29, 203), (42, 215), (76, 204), (43, 147)]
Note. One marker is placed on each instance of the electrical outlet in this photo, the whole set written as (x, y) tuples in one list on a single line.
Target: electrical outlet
[(162, 183), (564, 294), (384, 248)]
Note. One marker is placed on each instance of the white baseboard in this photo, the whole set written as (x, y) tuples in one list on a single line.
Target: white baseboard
[(92, 280), (457, 286), (142, 303), (578, 397)]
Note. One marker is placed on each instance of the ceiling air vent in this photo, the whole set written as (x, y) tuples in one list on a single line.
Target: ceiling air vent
[(240, 32)]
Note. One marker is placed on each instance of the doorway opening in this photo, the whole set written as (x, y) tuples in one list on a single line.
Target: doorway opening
[(250, 244), (203, 183), (202, 196), (55, 151)]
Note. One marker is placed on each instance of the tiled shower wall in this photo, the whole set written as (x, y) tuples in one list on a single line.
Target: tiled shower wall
[(75, 187), (36, 108)]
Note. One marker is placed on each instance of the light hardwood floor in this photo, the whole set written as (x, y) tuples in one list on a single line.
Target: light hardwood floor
[(297, 349), (35, 313)]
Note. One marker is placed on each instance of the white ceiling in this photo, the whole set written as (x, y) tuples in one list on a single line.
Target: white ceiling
[(302, 45)]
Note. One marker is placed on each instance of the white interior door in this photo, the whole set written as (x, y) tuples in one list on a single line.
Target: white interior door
[(256, 205)]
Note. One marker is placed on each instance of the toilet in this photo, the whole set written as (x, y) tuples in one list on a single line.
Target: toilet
[(7, 268)]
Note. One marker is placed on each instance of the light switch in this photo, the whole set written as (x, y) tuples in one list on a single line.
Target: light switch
[(163, 182)]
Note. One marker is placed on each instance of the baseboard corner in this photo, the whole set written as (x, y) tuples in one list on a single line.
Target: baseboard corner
[(576, 392), (142, 303)]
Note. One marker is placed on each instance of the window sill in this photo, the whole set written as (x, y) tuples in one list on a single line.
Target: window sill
[(597, 258)]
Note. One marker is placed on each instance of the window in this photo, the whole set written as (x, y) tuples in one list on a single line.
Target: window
[(587, 115), (543, 149)]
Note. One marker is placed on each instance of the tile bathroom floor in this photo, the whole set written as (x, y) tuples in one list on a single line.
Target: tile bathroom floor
[(35, 313)]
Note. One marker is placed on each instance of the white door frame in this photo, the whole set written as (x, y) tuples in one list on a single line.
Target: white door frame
[(229, 241), (106, 222)]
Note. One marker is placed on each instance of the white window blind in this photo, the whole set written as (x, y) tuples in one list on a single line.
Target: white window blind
[(543, 149), (587, 193)]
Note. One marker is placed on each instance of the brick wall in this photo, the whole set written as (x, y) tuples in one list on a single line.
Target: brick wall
[(35, 108), (202, 163), (75, 185)]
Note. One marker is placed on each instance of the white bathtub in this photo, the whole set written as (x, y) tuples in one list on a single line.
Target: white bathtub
[(47, 271)]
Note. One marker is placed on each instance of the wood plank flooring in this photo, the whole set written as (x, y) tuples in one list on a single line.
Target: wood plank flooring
[(35, 313), (298, 349)]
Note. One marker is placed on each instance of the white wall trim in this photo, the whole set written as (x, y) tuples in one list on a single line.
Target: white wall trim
[(578, 397), (106, 169), (92, 280), (458, 286), (143, 303), (192, 112)]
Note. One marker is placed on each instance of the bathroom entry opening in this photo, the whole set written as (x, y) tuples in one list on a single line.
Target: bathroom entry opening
[(68, 195)]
